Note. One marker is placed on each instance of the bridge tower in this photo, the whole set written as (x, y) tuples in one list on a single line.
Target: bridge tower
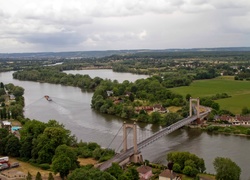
[(136, 157), (197, 100)]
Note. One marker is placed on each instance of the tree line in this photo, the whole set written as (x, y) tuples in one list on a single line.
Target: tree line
[(11, 108)]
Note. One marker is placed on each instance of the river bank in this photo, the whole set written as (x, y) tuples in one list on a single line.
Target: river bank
[(225, 129)]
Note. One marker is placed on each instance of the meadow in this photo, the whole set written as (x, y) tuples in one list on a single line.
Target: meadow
[(238, 90)]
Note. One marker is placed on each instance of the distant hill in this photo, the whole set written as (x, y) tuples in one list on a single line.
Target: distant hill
[(98, 54)]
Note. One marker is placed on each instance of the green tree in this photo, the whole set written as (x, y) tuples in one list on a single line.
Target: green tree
[(132, 173), (176, 167), (115, 170), (50, 176), (29, 176), (12, 146), (48, 141), (2, 91), (169, 119), (188, 96), (226, 169), (3, 133), (38, 176), (186, 158), (155, 117), (26, 147), (245, 111), (61, 165), (64, 160), (89, 174), (18, 91)]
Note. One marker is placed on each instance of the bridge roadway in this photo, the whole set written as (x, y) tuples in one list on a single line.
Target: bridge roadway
[(167, 130)]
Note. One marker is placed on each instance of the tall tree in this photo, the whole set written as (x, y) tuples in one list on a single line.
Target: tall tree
[(12, 146), (226, 169), (50, 177), (64, 160), (38, 176), (61, 165), (29, 176)]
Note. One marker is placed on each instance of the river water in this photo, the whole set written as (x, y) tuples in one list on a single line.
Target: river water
[(71, 107)]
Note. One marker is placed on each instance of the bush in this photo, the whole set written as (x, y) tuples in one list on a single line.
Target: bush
[(44, 166), (176, 167), (212, 128), (227, 130)]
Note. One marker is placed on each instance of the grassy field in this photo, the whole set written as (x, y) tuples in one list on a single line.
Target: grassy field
[(25, 167), (238, 90)]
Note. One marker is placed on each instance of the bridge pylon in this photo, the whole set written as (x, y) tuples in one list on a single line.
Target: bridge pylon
[(197, 100), (136, 157)]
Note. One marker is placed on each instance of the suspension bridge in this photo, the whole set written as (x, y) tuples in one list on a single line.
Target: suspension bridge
[(133, 154)]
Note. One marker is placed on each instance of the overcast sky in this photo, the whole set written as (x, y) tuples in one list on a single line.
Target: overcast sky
[(81, 25)]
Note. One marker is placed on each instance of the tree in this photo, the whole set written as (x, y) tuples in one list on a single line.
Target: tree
[(12, 146), (38, 176), (115, 170), (18, 91), (188, 96), (155, 117), (169, 119), (62, 165), (245, 111), (3, 133), (50, 177), (186, 159), (64, 160), (176, 167), (29, 176), (48, 141), (89, 174), (226, 169), (132, 173)]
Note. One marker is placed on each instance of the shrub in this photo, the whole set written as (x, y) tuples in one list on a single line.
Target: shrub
[(44, 166)]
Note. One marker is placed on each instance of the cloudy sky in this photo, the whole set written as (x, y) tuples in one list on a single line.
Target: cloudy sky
[(81, 25)]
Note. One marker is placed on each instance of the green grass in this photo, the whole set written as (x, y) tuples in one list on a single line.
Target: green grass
[(239, 90)]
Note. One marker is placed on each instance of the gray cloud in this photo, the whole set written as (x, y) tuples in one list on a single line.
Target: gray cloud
[(34, 25)]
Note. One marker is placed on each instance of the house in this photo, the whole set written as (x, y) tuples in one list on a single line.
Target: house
[(169, 175), (127, 94), (145, 172), (159, 108), (110, 93), (145, 108), (227, 118), (12, 97), (7, 125), (241, 120)]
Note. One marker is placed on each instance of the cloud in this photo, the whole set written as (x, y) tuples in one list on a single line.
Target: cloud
[(121, 24)]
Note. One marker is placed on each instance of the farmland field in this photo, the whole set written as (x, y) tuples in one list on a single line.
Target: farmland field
[(238, 90)]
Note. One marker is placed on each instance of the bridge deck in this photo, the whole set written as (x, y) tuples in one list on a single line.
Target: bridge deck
[(122, 156)]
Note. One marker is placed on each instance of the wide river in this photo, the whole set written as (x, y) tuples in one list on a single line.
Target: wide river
[(71, 107)]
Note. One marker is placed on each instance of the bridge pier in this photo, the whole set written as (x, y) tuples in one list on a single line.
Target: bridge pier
[(136, 157), (197, 100)]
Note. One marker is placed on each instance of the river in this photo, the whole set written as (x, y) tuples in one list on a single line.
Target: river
[(71, 107)]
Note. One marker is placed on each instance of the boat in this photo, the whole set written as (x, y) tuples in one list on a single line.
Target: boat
[(48, 98)]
